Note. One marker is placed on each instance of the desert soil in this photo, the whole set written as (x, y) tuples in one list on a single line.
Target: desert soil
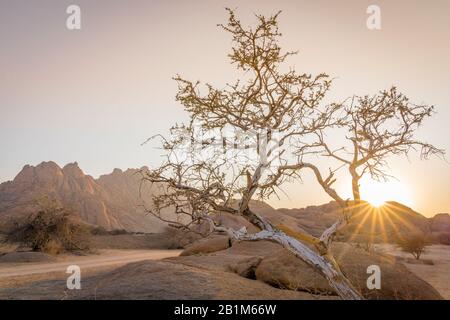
[(436, 274), (16, 274), (128, 274), (149, 279)]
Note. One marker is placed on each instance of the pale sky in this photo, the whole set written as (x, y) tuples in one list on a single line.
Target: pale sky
[(95, 94)]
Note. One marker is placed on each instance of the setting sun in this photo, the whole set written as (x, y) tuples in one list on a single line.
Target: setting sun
[(377, 193)]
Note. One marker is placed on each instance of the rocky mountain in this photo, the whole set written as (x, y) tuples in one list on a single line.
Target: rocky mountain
[(440, 222), (383, 224), (387, 223), (112, 201)]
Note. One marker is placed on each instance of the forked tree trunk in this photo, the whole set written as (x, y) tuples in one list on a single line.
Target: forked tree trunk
[(325, 265), (355, 184)]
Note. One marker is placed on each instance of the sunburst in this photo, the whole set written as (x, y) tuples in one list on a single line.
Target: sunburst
[(380, 221), (378, 193)]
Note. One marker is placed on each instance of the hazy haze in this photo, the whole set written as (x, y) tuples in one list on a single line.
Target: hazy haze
[(95, 95)]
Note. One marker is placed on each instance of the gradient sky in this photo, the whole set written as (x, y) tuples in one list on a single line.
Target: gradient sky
[(94, 95)]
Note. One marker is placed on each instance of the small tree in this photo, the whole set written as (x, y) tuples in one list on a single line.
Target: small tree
[(365, 242), (414, 244), (50, 230)]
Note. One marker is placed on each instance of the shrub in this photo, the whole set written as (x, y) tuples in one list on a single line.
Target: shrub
[(117, 232), (414, 244), (364, 242), (100, 231), (50, 230), (178, 238)]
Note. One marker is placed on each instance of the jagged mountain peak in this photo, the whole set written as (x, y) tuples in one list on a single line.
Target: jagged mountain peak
[(72, 169), (45, 171), (112, 201), (117, 171)]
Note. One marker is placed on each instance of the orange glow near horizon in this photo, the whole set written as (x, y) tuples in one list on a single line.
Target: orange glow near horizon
[(386, 223), (377, 193)]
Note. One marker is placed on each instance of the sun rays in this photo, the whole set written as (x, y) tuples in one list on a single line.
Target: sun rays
[(377, 218), (385, 223), (378, 193)]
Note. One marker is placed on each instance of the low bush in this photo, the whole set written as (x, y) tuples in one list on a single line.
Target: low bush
[(51, 230), (414, 244)]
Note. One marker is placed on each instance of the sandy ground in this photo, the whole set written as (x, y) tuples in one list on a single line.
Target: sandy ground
[(148, 279), (438, 274), (17, 274)]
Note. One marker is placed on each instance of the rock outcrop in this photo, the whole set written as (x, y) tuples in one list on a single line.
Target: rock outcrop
[(284, 270), (384, 224), (247, 270), (112, 201)]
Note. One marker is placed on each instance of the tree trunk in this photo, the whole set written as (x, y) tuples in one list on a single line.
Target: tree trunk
[(322, 262), (325, 265), (355, 184)]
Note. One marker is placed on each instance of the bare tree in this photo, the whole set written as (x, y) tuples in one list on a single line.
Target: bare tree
[(365, 242), (277, 120), (278, 113), (414, 244), (378, 127)]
